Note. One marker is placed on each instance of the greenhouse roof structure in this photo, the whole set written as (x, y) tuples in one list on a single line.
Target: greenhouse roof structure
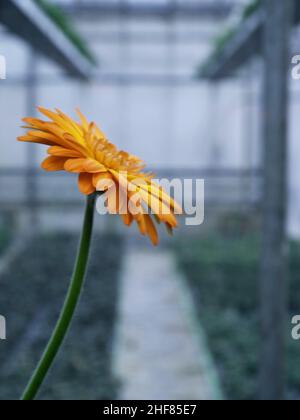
[(242, 43), (27, 20), (156, 8)]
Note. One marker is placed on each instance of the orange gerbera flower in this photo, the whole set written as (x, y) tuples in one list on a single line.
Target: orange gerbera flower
[(81, 147)]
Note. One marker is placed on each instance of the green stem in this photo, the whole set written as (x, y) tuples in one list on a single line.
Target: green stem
[(69, 307)]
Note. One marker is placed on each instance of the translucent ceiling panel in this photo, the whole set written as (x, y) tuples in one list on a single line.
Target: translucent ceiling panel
[(16, 54), (12, 105)]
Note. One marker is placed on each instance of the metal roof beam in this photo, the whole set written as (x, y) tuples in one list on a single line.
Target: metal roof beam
[(245, 43), (204, 9), (26, 20)]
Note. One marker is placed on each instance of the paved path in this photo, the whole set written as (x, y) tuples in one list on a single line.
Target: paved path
[(158, 355)]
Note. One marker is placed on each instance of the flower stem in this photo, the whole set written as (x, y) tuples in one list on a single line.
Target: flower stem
[(69, 307)]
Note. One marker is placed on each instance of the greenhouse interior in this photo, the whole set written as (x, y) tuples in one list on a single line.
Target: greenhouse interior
[(207, 93)]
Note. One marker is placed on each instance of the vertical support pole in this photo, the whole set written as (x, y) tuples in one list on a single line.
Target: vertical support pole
[(248, 129), (169, 89), (215, 153), (274, 252), (31, 155), (249, 135)]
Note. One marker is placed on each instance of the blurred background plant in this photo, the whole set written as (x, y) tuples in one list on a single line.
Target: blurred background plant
[(64, 23)]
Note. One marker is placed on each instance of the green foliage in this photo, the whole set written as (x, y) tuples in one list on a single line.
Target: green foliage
[(251, 8), (223, 273), (64, 23), (219, 44), (225, 37)]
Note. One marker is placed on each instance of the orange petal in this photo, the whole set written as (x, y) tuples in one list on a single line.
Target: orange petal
[(62, 123), (127, 219), (158, 207), (112, 201), (84, 165), (54, 163), (31, 139), (93, 167), (71, 143), (103, 176), (99, 133), (122, 201), (84, 121), (61, 138), (158, 191), (85, 184), (142, 225), (62, 152), (123, 181), (70, 121), (35, 123), (75, 165), (117, 201), (151, 230), (157, 219), (169, 229), (44, 135)]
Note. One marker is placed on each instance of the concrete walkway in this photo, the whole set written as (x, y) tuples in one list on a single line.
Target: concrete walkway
[(158, 354)]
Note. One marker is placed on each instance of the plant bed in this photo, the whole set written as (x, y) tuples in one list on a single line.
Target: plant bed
[(31, 297), (223, 274), (6, 232), (4, 240)]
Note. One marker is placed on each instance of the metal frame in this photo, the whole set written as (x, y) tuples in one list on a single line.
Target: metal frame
[(207, 8), (25, 19), (245, 43), (140, 37), (250, 196), (274, 257), (122, 37)]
